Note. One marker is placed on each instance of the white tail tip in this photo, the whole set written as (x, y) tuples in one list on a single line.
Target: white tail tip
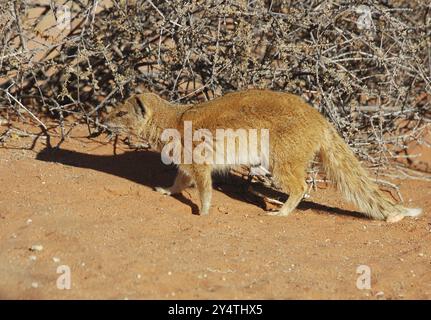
[(413, 212), (410, 212)]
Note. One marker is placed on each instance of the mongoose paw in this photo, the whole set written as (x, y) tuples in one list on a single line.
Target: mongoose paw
[(278, 213), (204, 211), (163, 191)]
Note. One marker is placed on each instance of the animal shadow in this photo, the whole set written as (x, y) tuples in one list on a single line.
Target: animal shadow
[(146, 168)]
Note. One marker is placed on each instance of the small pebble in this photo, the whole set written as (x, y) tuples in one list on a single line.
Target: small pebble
[(34, 285), (33, 258), (139, 276), (223, 210), (29, 221), (56, 260), (36, 247)]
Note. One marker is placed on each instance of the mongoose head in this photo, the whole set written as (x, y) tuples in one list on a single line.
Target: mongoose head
[(131, 116)]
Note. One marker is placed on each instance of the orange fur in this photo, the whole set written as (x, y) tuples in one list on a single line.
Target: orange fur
[(297, 133)]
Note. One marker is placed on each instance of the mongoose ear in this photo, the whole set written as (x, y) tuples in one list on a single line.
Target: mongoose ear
[(140, 106)]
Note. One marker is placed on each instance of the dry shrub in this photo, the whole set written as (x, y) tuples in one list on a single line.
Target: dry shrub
[(364, 64)]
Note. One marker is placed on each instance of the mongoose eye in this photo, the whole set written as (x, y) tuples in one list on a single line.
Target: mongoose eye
[(121, 113), (140, 108)]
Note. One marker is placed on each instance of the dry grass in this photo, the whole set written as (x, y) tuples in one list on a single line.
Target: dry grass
[(365, 65)]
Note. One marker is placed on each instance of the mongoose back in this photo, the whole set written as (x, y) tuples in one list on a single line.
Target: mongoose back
[(297, 132)]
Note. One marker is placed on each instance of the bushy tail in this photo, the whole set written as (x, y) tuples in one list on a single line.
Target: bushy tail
[(352, 180)]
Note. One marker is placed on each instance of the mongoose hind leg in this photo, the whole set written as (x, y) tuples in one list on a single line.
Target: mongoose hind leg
[(293, 182), (182, 181)]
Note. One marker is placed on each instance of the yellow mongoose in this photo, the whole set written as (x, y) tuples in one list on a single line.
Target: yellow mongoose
[(297, 132)]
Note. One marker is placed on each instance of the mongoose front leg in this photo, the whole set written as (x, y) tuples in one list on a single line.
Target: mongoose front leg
[(202, 177), (182, 181)]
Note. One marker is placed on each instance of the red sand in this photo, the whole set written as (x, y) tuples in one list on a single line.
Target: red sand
[(98, 214)]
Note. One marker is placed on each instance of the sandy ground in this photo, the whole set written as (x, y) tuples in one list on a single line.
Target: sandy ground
[(97, 214)]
